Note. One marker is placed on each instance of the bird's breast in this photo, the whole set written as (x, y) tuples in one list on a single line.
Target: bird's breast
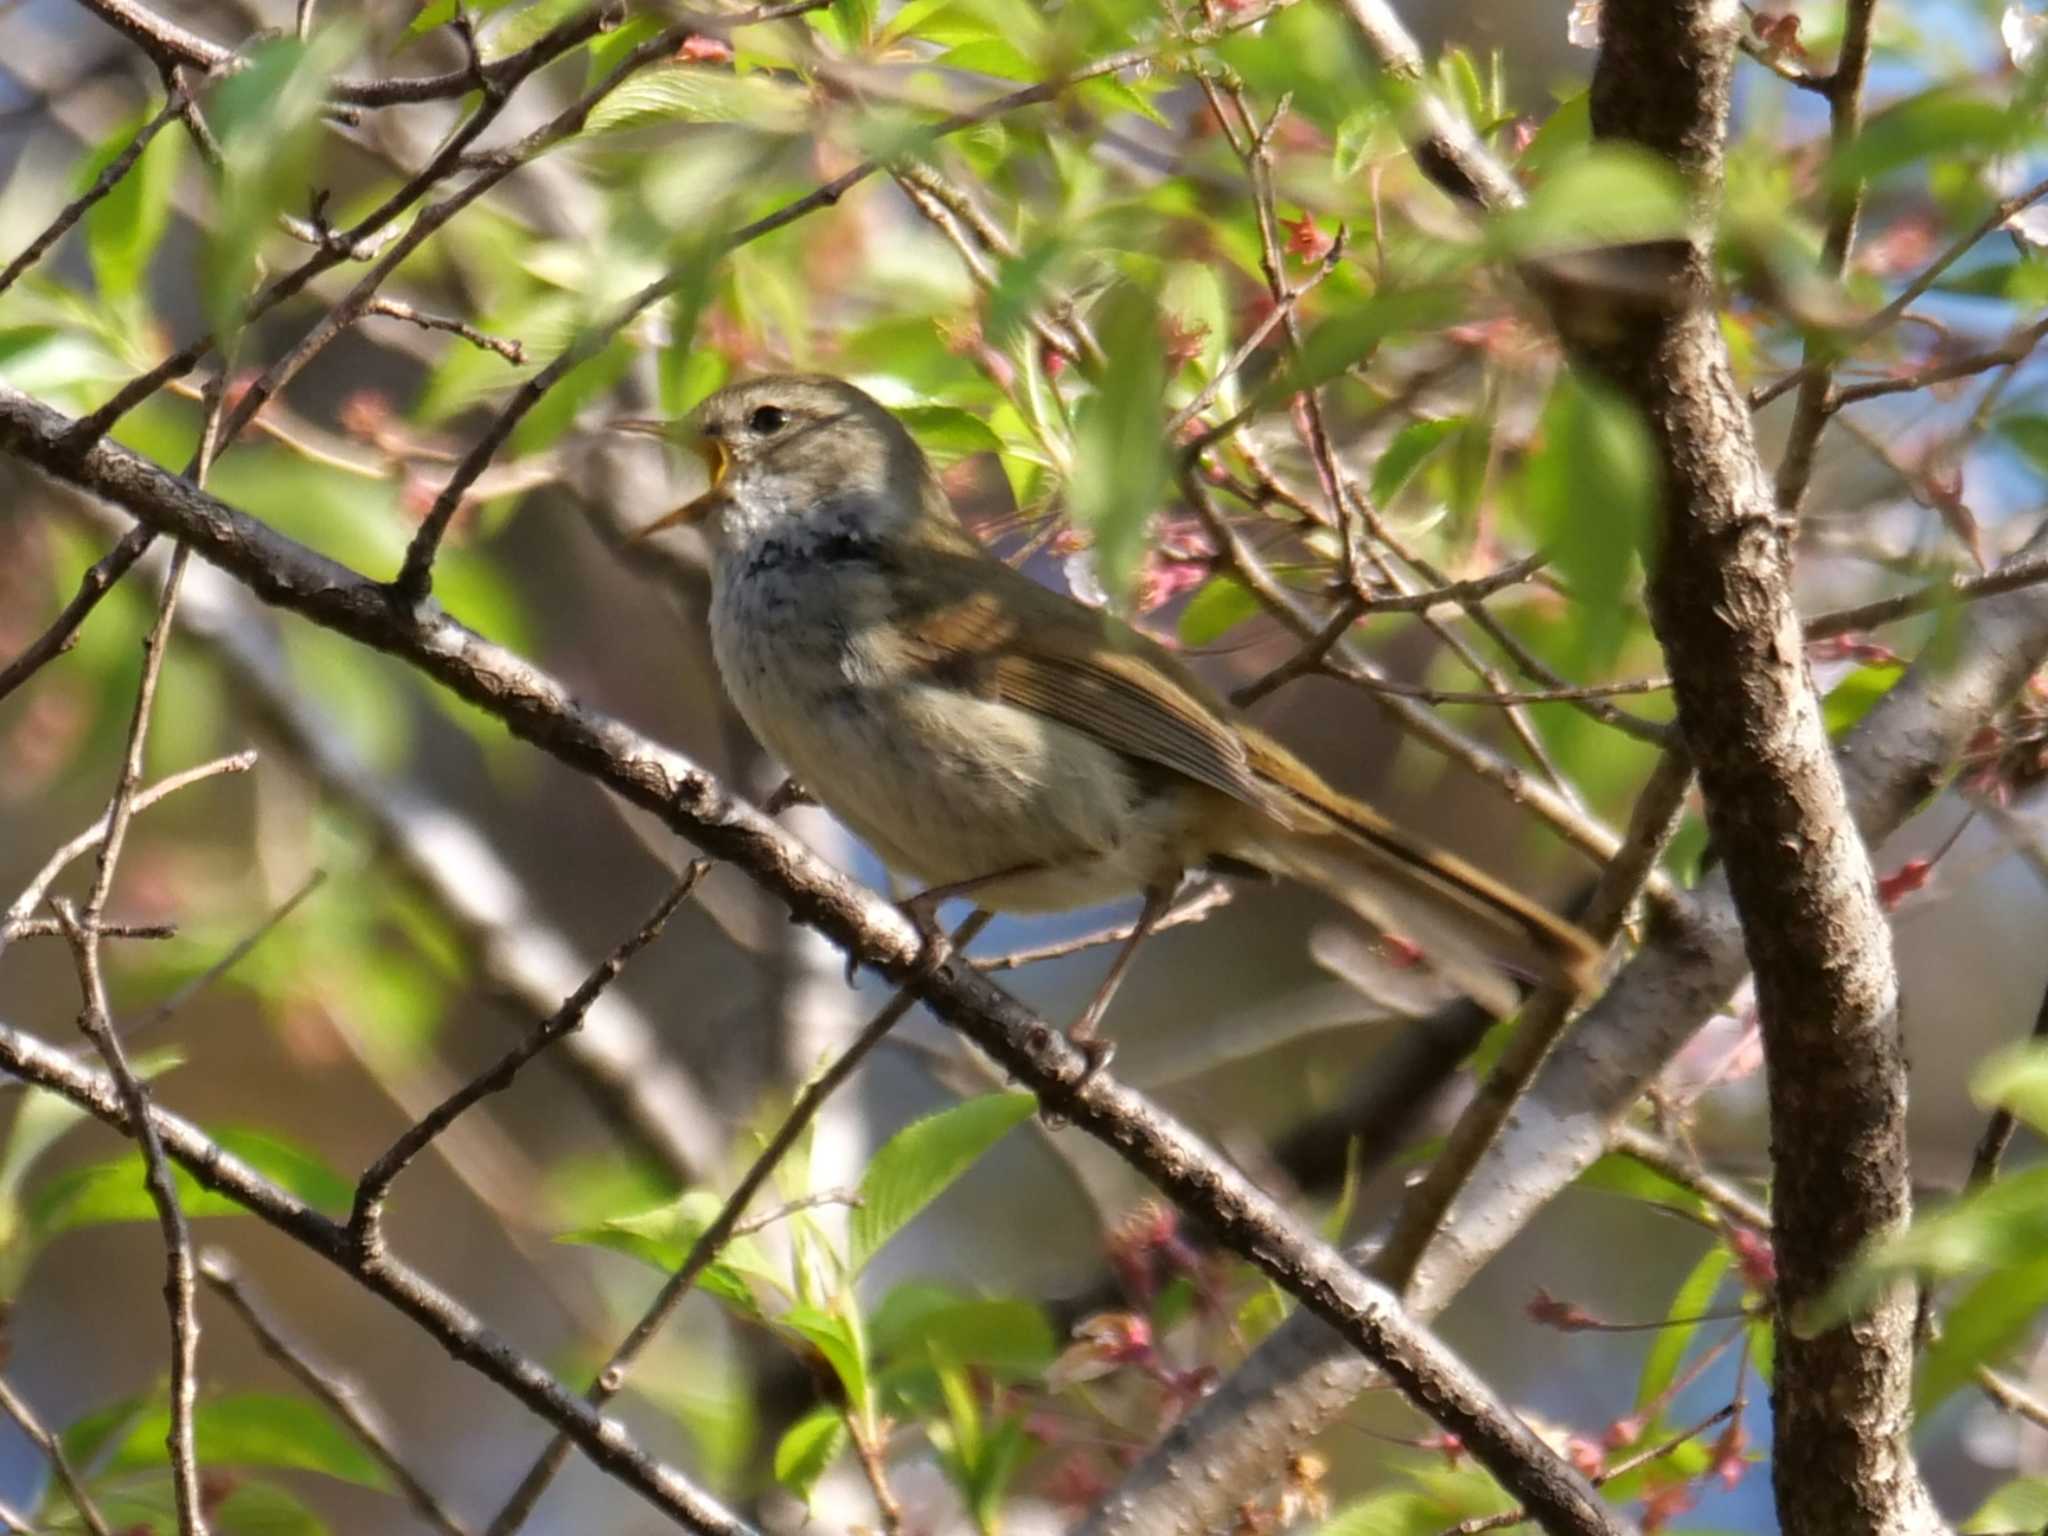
[(946, 785)]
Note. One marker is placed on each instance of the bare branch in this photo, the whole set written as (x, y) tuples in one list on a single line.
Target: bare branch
[(62, 634), (60, 1464), (696, 805), (415, 578), (366, 1219), (344, 1397), (31, 897), (606, 1442), (611, 1380), (102, 184), (510, 349)]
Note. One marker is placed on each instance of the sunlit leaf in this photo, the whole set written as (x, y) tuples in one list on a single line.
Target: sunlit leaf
[(948, 433), (1590, 490), (123, 228), (1667, 1348), (1218, 606), (1978, 1327), (916, 1165), (1120, 468), (807, 1448), (113, 1191), (256, 1430), (267, 118)]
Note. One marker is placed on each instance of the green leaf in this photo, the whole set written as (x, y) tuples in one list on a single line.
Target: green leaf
[(87, 1436), (1694, 1295), (1568, 131), (915, 1166), (41, 1121), (991, 56), (2020, 1505), (1982, 1324), (434, 13), (1607, 193), (839, 1339), (664, 1236), (1590, 491), (1120, 468), (1857, 693), (1019, 285), (1393, 1513), (1949, 120), (1405, 454), (690, 94), (2027, 432), (948, 433), (807, 1448), (2017, 1079), (2002, 1225), (263, 1509), (256, 1430), (1219, 605), (999, 1334), (122, 229), (267, 118), (113, 1191)]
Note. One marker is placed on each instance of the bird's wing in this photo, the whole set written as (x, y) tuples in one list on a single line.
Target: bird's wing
[(1019, 642)]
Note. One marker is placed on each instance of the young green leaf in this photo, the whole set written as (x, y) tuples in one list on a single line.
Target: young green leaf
[(267, 118), (948, 433), (664, 1236), (807, 1448), (1120, 468), (915, 1166), (122, 229), (1694, 1295), (1590, 490), (1981, 1325), (256, 1430), (113, 1191)]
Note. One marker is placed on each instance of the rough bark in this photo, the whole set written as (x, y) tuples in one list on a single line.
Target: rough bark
[(1722, 604)]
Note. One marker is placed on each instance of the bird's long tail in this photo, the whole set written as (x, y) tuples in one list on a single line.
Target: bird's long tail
[(1474, 929)]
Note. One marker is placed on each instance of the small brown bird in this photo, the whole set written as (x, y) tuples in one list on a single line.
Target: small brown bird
[(1000, 741)]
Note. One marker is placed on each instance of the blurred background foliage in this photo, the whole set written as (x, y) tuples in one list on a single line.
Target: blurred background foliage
[(1098, 308)]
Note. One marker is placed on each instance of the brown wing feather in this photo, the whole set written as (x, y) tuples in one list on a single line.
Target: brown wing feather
[(1099, 677)]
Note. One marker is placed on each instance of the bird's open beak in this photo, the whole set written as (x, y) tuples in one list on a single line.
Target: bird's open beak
[(709, 449)]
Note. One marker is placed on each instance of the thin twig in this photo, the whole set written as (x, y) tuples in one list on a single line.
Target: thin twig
[(611, 1380), (1427, 1204), (236, 954), (1928, 276), (62, 634), (96, 1020), (32, 894), (60, 1464), (102, 184), (365, 1220), (509, 348), (454, 1328), (2024, 571), (344, 1397), (2015, 349)]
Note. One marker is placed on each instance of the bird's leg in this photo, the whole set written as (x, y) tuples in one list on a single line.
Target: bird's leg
[(1083, 1036), (923, 909)]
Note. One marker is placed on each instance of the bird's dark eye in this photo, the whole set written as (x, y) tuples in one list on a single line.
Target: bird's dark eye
[(767, 419)]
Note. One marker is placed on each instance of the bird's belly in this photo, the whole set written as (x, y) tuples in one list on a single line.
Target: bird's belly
[(947, 787)]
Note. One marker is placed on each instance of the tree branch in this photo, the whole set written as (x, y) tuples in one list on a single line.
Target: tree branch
[(535, 707), (1721, 601)]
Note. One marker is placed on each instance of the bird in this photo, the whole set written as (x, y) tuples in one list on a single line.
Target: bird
[(1002, 742)]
